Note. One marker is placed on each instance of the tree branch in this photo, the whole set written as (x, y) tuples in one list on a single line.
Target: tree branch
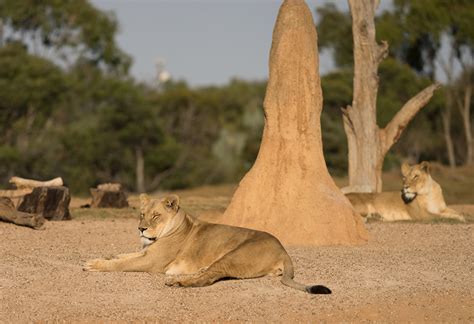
[(382, 51), (392, 132), (346, 118)]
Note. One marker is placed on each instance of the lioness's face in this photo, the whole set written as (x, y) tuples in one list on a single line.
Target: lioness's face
[(156, 217), (415, 180)]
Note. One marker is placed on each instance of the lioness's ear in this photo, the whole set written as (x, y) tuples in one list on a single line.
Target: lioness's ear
[(425, 166), (144, 199), (405, 168), (171, 202)]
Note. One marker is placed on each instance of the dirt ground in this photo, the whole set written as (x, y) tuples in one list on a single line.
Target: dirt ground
[(407, 272)]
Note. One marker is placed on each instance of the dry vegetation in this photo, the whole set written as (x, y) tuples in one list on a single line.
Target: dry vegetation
[(210, 202)]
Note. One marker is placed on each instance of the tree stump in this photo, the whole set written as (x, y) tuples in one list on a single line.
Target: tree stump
[(108, 195), (50, 202), (15, 195), (9, 214), (289, 192)]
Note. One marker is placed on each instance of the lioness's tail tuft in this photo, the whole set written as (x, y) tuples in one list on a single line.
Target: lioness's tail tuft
[(287, 279), (318, 289)]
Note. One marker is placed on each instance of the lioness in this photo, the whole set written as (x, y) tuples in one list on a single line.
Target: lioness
[(195, 253), (421, 198)]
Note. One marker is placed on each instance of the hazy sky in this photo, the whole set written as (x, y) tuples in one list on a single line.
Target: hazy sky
[(201, 41)]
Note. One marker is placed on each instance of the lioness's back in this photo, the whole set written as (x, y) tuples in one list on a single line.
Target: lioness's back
[(218, 236)]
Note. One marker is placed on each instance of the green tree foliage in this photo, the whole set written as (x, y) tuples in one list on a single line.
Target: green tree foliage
[(421, 26), (74, 29), (335, 33), (85, 120), (31, 88), (415, 31)]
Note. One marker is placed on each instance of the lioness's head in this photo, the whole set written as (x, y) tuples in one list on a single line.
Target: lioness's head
[(416, 180), (158, 217)]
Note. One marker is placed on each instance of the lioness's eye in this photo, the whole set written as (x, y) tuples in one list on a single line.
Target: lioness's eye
[(156, 216), (415, 177)]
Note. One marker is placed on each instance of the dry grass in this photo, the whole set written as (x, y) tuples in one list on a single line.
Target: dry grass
[(209, 202), (457, 184)]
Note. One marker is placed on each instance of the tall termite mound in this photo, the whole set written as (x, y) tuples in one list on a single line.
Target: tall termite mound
[(289, 192)]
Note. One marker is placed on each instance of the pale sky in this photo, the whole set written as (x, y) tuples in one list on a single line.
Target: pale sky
[(202, 41)]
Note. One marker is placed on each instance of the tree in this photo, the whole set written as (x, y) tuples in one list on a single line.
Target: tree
[(420, 33), (31, 88), (71, 30), (360, 119), (463, 93), (368, 144), (131, 120), (425, 28)]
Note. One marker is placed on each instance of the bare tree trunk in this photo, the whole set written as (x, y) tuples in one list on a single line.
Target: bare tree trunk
[(140, 169), (465, 110), (367, 143), (446, 118), (1, 32)]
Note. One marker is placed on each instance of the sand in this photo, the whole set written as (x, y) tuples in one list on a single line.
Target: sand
[(407, 272)]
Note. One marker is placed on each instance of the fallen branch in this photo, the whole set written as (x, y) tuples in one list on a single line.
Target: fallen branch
[(110, 187), (22, 183), (16, 193), (10, 215)]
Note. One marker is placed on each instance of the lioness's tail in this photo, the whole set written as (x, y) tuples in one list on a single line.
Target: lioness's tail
[(287, 280)]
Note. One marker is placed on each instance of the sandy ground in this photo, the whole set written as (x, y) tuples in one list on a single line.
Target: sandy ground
[(408, 272)]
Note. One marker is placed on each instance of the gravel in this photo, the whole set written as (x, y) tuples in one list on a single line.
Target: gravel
[(407, 272)]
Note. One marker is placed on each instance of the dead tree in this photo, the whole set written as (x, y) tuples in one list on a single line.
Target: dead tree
[(368, 144), (289, 192), (464, 106)]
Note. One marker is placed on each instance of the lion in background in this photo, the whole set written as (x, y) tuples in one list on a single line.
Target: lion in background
[(194, 253), (421, 199)]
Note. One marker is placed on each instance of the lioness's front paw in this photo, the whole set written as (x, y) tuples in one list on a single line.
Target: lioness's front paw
[(95, 265), (172, 281)]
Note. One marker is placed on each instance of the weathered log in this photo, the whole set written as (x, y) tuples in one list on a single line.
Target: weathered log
[(110, 187), (15, 193), (108, 199), (50, 202), (10, 215), (22, 183)]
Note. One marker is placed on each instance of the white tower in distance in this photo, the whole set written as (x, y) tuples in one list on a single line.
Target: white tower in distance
[(161, 75)]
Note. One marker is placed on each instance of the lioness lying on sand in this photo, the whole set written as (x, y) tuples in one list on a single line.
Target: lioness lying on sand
[(421, 199), (196, 253)]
